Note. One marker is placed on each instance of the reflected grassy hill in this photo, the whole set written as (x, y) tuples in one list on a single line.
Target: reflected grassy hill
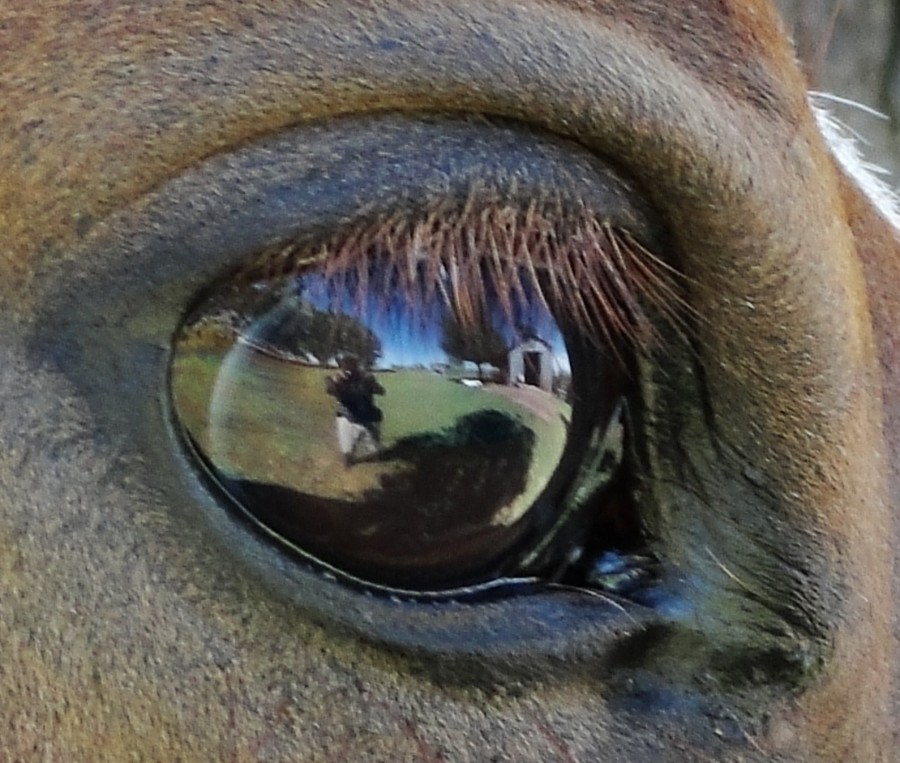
[(262, 419)]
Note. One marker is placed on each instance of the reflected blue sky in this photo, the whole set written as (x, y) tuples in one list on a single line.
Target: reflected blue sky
[(411, 330)]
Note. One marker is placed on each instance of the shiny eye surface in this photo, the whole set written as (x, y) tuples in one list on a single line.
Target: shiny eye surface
[(414, 418), (392, 438)]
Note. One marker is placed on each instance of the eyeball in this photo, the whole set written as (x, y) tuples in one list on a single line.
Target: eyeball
[(417, 423)]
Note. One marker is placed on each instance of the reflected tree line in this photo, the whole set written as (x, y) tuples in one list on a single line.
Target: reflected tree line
[(317, 322), (295, 326), (478, 342), (302, 329)]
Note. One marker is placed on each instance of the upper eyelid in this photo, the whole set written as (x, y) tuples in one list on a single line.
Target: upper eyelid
[(313, 181)]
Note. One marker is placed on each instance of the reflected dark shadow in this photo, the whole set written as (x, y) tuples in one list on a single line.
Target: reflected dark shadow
[(435, 513)]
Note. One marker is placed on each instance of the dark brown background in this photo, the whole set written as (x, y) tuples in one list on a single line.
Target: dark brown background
[(845, 47)]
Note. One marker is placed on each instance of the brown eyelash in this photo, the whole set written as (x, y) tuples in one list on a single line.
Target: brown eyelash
[(596, 276)]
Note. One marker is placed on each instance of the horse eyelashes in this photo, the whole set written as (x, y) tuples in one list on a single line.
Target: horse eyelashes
[(589, 272)]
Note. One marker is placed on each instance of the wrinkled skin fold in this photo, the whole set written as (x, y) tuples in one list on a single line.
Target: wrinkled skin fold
[(147, 148)]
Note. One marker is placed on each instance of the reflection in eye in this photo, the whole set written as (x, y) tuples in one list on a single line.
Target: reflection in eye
[(425, 420)]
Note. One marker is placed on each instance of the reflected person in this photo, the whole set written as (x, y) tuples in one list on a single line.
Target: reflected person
[(358, 420)]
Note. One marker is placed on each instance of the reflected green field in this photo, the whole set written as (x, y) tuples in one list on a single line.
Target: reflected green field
[(267, 420)]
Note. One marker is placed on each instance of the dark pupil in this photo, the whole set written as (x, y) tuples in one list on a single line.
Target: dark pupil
[(396, 432)]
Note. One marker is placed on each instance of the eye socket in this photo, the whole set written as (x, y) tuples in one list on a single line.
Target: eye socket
[(702, 486), (435, 407)]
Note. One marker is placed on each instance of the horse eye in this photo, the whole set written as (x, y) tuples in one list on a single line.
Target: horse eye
[(415, 424)]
